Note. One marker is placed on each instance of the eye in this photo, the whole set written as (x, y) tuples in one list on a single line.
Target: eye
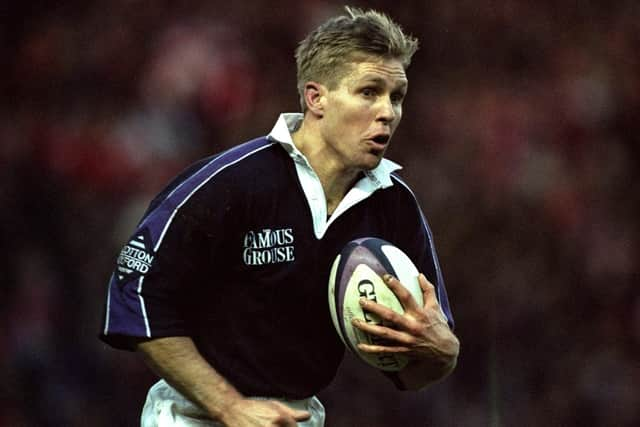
[(397, 97), (369, 92)]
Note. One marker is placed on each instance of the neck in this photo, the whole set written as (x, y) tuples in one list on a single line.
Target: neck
[(336, 180)]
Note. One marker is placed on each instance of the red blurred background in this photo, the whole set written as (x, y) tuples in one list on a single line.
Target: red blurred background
[(520, 136)]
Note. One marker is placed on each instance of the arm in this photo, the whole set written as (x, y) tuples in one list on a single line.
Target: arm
[(179, 362), (421, 333)]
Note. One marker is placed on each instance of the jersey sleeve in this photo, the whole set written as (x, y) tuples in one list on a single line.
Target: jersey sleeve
[(417, 240), (159, 269)]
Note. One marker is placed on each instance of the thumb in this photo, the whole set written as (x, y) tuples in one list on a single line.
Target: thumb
[(297, 414), (301, 415)]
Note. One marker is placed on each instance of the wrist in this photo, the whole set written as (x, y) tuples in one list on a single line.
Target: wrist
[(227, 408)]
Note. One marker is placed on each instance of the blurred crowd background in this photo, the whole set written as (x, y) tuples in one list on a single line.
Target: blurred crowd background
[(520, 136)]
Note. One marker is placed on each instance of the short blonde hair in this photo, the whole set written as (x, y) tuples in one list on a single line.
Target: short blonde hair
[(324, 55)]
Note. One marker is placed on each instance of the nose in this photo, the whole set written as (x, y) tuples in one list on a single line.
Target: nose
[(386, 110)]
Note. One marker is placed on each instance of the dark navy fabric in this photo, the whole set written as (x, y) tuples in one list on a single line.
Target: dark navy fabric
[(227, 255)]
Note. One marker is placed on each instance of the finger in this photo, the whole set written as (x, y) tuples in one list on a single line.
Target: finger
[(297, 414), (301, 415), (383, 349), (430, 297), (385, 333), (383, 312), (404, 296), (285, 422), (428, 292)]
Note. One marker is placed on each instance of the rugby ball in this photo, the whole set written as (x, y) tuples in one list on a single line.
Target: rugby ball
[(357, 272)]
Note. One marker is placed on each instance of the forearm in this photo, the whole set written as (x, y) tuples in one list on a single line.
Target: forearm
[(178, 361)]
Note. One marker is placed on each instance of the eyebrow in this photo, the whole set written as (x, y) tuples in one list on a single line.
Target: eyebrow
[(379, 80)]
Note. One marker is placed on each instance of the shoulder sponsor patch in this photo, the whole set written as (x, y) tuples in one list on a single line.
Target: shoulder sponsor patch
[(135, 258)]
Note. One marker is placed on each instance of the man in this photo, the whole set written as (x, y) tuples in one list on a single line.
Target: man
[(223, 286)]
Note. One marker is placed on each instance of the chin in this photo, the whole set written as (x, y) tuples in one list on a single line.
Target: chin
[(372, 163)]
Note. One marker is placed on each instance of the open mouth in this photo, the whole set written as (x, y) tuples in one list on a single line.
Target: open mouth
[(381, 139)]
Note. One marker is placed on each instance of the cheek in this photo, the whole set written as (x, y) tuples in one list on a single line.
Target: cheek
[(398, 111), (359, 118), (349, 116)]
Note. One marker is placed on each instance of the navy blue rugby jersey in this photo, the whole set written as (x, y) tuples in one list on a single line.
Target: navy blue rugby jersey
[(236, 253)]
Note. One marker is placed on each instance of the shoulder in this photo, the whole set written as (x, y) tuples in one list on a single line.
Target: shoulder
[(401, 185), (400, 192), (233, 164), (226, 171), (237, 160)]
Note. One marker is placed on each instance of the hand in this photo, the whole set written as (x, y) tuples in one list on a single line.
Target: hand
[(421, 333), (255, 412)]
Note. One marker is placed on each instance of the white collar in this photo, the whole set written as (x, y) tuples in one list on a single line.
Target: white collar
[(379, 177)]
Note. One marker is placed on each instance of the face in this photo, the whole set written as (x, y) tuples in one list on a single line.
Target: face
[(361, 114)]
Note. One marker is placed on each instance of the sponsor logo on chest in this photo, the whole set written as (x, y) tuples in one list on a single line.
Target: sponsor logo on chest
[(268, 246)]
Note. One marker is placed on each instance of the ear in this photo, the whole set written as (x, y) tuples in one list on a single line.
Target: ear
[(314, 96)]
